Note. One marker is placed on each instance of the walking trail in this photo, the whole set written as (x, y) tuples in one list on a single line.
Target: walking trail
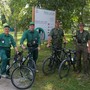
[(5, 84)]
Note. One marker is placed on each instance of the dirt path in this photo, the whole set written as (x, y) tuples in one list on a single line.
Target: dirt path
[(5, 84)]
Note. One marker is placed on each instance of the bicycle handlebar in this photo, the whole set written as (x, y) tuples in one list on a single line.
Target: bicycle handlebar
[(71, 51), (29, 48)]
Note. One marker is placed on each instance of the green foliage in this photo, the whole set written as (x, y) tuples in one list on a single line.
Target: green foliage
[(69, 12), (3, 19), (21, 12)]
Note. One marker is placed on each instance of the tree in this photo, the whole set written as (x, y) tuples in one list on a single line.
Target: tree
[(69, 12), (5, 10)]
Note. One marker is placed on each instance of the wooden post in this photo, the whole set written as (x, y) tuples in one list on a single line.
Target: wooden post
[(15, 32), (33, 14)]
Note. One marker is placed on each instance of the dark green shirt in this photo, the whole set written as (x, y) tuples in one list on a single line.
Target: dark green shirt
[(82, 37), (7, 40), (30, 36), (57, 36)]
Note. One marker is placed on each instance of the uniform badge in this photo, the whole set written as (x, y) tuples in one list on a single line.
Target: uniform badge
[(33, 42), (83, 38), (2, 41)]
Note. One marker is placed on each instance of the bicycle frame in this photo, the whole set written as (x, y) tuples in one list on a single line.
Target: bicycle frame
[(29, 55), (56, 50), (71, 58)]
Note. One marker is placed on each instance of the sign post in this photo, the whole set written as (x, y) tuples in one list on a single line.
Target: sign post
[(44, 19)]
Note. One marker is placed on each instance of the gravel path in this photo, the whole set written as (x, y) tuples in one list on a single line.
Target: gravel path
[(5, 84)]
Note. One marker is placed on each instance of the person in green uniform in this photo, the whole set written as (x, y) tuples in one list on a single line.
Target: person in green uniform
[(83, 38), (56, 36), (6, 40), (33, 40)]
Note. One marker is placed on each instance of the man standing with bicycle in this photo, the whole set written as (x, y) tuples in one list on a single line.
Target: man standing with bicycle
[(6, 40), (56, 36), (83, 38), (33, 40)]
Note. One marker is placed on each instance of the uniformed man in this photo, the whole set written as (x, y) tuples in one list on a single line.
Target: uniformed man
[(33, 40), (56, 36), (6, 40), (83, 38)]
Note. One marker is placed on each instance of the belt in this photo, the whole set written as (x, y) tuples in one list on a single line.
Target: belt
[(1, 47), (81, 43)]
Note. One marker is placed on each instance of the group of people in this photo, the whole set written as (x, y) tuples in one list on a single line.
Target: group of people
[(82, 36), (56, 37), (7, 40)]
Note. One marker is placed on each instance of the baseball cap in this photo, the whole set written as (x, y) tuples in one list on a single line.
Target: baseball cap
[(6, 25), (31, 23)]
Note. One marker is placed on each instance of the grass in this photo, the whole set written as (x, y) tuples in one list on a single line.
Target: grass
[(53, 82)]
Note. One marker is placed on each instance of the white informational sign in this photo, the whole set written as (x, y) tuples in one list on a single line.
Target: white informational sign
[(45, 19)]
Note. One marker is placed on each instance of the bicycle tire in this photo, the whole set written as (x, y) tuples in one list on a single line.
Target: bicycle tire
[(31, 64), (22, 77), (64, 68), (11, 67), (48, 66)]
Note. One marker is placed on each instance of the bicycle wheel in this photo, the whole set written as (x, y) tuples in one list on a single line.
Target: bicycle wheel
[(48, 66), (22, 77), (31, 64), (11, 67), (64, 68)]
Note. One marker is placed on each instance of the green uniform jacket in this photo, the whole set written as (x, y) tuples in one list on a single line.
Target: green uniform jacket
[(57, 37), (6, 41), (83, 37), (30, 36)]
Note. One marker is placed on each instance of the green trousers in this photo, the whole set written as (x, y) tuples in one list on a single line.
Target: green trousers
[(34, 54), (82, 58), (4, 54)]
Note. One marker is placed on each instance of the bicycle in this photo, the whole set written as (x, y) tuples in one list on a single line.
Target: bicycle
[(52, 62), (22, 77), (28, 59), (65, 65)]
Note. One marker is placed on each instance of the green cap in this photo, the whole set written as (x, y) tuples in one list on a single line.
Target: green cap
[(6, 25), (31, 23)]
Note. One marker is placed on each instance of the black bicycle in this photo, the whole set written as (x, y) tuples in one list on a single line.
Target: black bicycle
[(28, 59), (66, 63), (22, 77), (53, 61)]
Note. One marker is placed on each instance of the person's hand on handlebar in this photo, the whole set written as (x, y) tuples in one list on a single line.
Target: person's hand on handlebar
[(16, 49), (23, 47), (48, 45), (66, 42), (39, 48)]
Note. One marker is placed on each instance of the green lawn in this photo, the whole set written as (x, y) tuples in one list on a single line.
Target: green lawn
[(53, 82)]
